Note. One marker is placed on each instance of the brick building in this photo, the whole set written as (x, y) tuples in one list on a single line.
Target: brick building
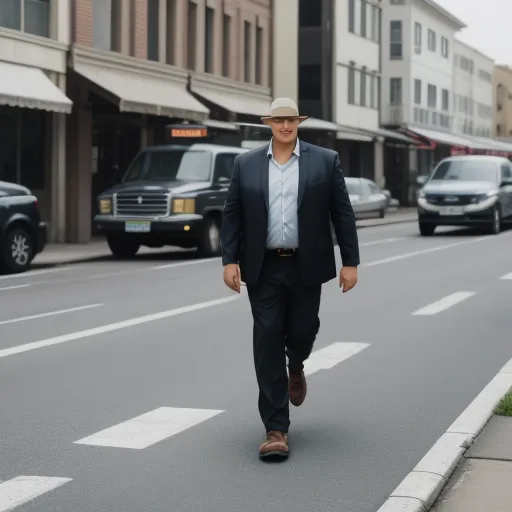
[(137, 65)]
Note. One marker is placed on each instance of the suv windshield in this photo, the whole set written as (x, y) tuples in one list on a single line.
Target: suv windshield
[(466, 170), (354, 188), (169, 165)]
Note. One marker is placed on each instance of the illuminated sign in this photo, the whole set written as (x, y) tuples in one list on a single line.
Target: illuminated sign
[(188, 131)]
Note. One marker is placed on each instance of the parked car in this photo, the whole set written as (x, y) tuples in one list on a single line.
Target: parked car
[(22, 234), (367, 198), (466, 190), (170, 195)]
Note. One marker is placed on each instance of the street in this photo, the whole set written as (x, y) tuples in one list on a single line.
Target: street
[(87, 349)]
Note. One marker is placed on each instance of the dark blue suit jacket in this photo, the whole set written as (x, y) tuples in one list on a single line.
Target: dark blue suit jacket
[(322, 197)]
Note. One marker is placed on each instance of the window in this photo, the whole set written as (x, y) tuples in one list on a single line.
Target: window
[(375, 23), (310, 84), (362, 94), (395, 51), (31, 16), (226, 45), (445, 100), (259, 54), (152, 28), (351, 16), (397, 2), (417, 37), (485, 75), (444, 47), (431, 40), (223, 171), (506, 172), (247, 51), (208, 39), (352, 84), (102, 25), (417, 92), (395, 91), (192, 24), (432, 96), (373, 97), (466, 170), (310, 13), (363, 18)]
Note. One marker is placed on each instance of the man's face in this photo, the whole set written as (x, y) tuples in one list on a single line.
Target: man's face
[(284, 129)]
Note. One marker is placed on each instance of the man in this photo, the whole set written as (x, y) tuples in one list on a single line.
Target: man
[(276, 237)]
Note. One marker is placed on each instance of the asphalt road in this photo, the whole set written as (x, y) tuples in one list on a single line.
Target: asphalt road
[(82, 349)]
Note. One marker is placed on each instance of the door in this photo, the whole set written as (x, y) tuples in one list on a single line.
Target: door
[(376, 198)]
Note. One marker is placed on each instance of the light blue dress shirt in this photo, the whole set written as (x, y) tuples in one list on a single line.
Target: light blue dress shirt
[(283, 190)]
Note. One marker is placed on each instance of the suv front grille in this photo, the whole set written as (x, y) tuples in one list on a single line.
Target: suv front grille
[(142, 204), (441, 199)]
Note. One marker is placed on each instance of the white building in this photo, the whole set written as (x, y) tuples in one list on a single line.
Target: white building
[(34, 39), (473, 91), (417, 64)]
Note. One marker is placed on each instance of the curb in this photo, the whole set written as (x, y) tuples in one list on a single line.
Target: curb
[(387, 223), (419, 490)]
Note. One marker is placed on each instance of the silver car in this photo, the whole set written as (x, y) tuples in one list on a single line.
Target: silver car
[(367, 198)]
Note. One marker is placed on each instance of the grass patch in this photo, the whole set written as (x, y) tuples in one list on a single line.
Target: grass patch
[(504, 408)]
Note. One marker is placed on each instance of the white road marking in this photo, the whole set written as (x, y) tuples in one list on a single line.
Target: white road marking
[(507, 277), (150, 428), (50, 313), (23, 489), (15, 287), (379, 242), (184, 263), (115, 326), (328, 357), (444, 303), (31, 273), (406, 255), (424, 483)]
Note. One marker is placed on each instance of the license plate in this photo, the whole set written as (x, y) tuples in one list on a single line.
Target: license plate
[(452, 210), (137, 226)]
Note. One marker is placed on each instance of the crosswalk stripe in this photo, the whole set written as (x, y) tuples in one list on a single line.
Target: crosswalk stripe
[(328, 357), (23, 489), (507, 277), (149, 428), (444, 304)]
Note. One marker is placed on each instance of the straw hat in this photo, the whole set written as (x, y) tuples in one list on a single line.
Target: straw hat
[(283, 107)]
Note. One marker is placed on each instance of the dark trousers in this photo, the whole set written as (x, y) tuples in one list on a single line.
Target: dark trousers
[(286, 322)]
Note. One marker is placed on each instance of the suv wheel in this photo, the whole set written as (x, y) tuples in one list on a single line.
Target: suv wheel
[(427, 229), (209, 244), (122, 247), (495, 226), (17, 250)]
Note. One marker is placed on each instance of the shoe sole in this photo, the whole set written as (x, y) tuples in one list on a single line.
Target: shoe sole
[(274, 454)]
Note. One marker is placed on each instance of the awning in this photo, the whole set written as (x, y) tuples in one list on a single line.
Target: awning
[(491, 144), (445, 138), (342, 132), (221, 125), (27, 87), (390, 134), (145, 94), (312, 123), (236, 102)]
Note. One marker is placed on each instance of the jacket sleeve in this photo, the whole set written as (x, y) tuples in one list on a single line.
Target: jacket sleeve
[(343, 218), (231, 229)]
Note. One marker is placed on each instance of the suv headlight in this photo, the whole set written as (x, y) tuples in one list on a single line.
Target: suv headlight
[(182, 205), (105, 205)]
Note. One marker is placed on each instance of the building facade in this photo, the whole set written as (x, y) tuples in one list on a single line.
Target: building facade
[(34, 39), (137, 65), (472, 91), (502, 102)]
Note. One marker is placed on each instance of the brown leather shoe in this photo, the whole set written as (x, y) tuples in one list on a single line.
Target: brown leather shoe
[(275, 445), (297, 387)]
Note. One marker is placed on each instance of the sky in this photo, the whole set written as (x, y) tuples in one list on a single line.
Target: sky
[(489, 26)]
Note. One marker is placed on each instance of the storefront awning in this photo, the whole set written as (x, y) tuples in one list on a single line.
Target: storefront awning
[(27, 87), (144, 94), (390, 134), (236, 102), (342, 132), (444, 138)]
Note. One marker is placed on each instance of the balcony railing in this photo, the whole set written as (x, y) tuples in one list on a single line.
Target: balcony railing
[(396, 115), (31, 16), (393, 115)]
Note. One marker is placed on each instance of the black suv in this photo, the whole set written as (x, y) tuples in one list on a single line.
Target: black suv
[(170, 195), (467, 190), (22, 234)]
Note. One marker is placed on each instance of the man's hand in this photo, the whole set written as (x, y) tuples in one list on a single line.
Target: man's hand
[(348, 278), (232, 277)]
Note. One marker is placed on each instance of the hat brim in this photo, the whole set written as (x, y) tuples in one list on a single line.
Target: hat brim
[(268, 119)]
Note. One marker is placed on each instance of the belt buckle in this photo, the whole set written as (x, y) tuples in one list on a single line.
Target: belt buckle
[(285, 252)]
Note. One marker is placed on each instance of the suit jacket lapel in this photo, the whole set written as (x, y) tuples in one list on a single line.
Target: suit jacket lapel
[(303, 172), (263, 169)]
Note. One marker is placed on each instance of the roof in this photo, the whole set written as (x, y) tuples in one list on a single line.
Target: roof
[(467, 46), (491, 158), (443, 12)]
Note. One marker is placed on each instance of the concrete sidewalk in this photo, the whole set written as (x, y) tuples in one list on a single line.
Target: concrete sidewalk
[(61, 254), (483, 480)]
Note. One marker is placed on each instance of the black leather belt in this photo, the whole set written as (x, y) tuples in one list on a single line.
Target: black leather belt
[(283, 252)]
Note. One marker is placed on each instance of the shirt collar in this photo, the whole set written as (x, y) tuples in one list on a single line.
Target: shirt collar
[(296, 151)]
